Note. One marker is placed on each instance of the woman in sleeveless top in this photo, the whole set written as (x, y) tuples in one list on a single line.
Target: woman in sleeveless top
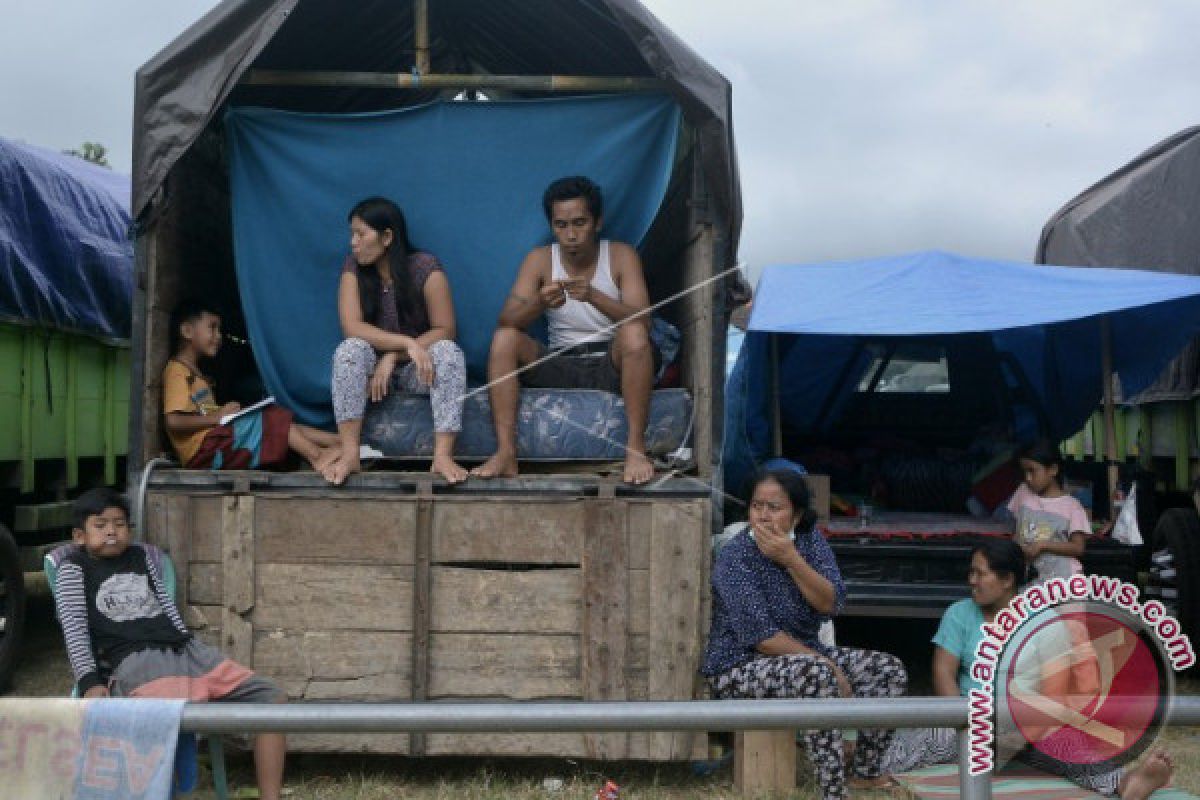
[(397, 314)]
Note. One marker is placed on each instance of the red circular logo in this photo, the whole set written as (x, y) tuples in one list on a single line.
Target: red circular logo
[(1085, 685)]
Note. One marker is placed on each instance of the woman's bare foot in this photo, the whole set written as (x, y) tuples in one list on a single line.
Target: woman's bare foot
[(346, 465), (500, 465), (448, 468), (1152, 774), (324, 458), (327, 470), (878, 782), (638, 468)]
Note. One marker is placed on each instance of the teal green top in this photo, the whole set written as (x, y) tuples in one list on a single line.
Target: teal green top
[(959, 634)]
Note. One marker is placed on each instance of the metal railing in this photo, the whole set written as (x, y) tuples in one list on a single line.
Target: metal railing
[(699, 715)]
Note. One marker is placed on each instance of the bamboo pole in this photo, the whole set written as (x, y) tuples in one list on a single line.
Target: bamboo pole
[(421, 35), (776, 407), (407, 80), (1110, 433)]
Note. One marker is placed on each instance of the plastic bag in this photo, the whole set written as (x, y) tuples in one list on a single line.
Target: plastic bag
[(1126, 528)]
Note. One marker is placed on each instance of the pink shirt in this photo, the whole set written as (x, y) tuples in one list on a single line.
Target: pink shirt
[(1049, 519)]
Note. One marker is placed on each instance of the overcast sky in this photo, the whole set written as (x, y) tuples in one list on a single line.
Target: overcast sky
[(864, 127)]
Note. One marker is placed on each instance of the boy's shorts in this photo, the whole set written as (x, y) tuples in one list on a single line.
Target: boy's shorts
[(193, 671), (584, 366), (258, 439)]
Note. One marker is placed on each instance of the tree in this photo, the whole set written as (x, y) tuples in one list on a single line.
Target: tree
[(94, 152)]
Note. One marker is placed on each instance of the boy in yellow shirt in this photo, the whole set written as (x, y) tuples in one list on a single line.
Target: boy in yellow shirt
[(254, 440)]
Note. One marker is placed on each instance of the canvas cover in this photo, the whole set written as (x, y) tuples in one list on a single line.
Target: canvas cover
[(184, 88), (1144, 215), (299, 175), (66, 257), (1047, 318)]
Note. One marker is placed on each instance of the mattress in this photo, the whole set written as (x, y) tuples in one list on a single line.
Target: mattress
[(552, 425)]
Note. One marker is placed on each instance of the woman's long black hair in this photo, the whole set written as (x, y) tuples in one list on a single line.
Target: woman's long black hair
[(381, 215), (1004, 557)]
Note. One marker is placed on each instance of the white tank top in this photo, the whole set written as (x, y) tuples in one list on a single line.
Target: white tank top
[(576, 321)]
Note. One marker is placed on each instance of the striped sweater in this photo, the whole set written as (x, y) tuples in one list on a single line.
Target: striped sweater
[(110, 608)]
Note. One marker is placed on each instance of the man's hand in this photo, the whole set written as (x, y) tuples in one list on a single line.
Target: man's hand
[(382, 376), (96, 691), (578, 289), (775, 545), (229, 408), (552, 294)]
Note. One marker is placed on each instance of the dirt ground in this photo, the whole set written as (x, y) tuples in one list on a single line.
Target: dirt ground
[(43, 672)]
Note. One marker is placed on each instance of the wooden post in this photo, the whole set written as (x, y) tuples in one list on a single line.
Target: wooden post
[(421, 35), (421, 608), (1110, 433), (605, 566), (764, 761), (237, 571)]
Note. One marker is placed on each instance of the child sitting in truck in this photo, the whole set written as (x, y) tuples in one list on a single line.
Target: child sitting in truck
[(260, 438), (117, 617), (1051, 525)]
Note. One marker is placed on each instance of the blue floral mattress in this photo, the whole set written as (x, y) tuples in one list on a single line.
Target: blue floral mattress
[(552, 424)]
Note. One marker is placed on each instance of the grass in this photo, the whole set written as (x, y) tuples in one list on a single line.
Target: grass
[(44, 672)]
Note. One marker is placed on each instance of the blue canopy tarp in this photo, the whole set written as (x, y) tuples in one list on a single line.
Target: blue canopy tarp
[(66, 259), (469, 177), (1046, 318)]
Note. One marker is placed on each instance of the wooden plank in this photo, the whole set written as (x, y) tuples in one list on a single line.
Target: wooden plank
[(337, 530), (421, 611), (237, 553), (505, 601), (204, 583), (358, 666), (605, 617), (237, 577), (764, 762), (678, 548), (334, 597), (206, 527), (639, 600), (154, 518), (504, 666), (176, 540), (511, 531), (377, 743), (641, 522), (556, 745)]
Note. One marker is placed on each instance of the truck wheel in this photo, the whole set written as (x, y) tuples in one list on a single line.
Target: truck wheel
[(12, 607), (1178, 534)]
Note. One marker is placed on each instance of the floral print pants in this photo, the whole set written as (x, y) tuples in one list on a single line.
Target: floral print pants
[(355, 359), (870, 674)]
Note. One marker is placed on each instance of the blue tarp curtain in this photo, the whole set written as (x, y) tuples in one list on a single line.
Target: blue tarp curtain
[(66, 259), (1047, 318), (469, 177)]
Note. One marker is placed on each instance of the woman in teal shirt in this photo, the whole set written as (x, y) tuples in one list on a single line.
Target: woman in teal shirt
[(995, 576)]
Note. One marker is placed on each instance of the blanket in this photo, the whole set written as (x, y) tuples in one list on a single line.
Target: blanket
[(53, 749)]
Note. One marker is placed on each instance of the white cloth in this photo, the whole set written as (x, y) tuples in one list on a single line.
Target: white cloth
[(576, 321)]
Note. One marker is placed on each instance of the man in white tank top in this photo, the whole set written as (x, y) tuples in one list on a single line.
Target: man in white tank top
[(589, 289)]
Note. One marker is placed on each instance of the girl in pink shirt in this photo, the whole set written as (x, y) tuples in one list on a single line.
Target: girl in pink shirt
[(1052, 526)]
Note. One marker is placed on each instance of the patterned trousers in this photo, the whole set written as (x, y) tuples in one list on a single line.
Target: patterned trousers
[(915, 748), (870, 673), (355, 359)]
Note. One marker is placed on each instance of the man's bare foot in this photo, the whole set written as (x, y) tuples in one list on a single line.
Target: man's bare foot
[(500, 465), (344, 467), (448, 468), (1152, 774), (638, 468)]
